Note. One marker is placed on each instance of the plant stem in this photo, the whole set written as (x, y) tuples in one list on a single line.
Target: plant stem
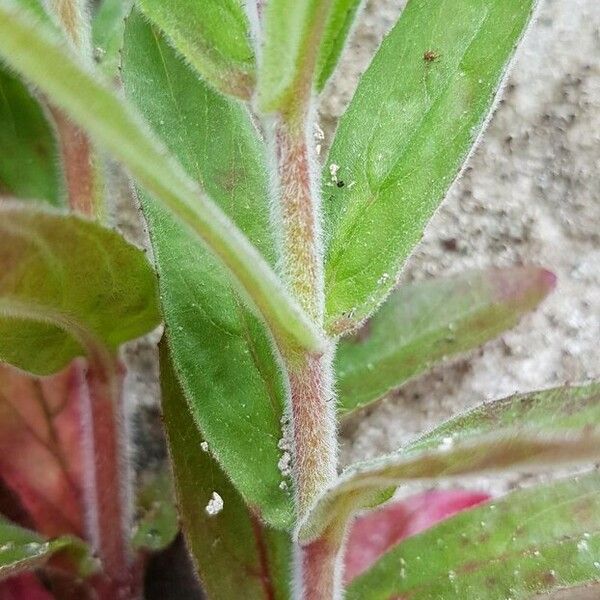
[(81, 175), (106, 490), (310, 375)]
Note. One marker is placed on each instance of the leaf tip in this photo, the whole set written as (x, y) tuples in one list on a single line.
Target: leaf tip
[(522, 285)]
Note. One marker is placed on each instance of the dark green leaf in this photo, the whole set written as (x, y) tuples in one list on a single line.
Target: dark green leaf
[(213, 35), (426, 321), (24, 550), (416, 114), (28, 154), (222, 353), (526, 543), (65, 281), (235, 554)]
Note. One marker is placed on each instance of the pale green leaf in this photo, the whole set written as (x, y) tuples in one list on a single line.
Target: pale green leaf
[(342, 16), (213, 35), (416, 114), (555, 410), (107, 34), (292, 33), (363, 484), (423, 322), (235, 554), (222, 353), (32, 48), (529, 542), (533, 430), (65, 281), (25, 550), (28, 152)]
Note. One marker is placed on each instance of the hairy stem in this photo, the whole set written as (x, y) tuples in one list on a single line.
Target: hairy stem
[(313, 398), (83, 185), (106, 491), (320, 570), (81, 175)]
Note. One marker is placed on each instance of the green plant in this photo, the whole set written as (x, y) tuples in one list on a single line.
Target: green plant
[(268, 264)]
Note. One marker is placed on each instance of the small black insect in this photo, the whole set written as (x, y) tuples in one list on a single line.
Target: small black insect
[(340, 184)]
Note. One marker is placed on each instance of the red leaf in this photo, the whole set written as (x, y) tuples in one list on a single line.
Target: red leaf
[(40, 451), (23, 586), (375, 532)]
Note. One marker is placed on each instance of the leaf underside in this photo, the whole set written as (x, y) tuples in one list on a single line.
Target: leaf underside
[(61, 275), (526, 433)]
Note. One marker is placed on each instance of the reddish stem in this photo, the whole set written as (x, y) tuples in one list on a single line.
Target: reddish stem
[(107, 486), (320, 571), (78, 166)]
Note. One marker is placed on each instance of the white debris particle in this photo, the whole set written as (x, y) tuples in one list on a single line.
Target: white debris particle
[(283, 485), (597, 565), (447, 443), (451, 575), (215, 505), (319, 133), (284, 464), (204, 446), (318, 149), (582, 546), (333, 170)]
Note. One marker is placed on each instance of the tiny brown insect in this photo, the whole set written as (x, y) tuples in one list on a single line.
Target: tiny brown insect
[(430, 55)]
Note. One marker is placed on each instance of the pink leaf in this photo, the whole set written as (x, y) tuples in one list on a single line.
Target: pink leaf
[(375, 532), (40, 448)]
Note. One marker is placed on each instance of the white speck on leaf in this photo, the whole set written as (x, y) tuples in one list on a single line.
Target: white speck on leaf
[(204, 446), (333, 170), (215, 505)]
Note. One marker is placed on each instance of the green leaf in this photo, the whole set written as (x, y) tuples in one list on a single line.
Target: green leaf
[(157, 522), (536, 430), (426, 321), (28, 153), (362, 484), (222, 353), (32, 48), (292, 36), (556, 410), (24, 550), (416, 113), (235, 554), (213, 36), (528, 542), (65, 281), (107, 34), (342, 16)]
